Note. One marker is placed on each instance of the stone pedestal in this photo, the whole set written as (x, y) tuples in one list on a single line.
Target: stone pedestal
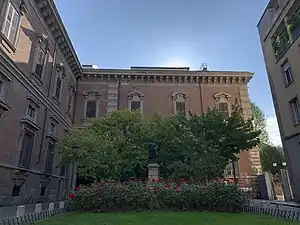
[(153, 171), (286, 186)]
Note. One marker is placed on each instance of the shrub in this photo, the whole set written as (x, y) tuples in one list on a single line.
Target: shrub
[(107, 196)]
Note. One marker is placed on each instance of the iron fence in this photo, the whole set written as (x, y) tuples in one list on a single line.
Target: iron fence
[(278, 213), (30, 218)]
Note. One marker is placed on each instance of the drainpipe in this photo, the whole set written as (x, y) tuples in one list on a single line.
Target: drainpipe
[(119, 87)]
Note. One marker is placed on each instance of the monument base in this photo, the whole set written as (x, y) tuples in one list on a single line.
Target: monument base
[(153, 171)]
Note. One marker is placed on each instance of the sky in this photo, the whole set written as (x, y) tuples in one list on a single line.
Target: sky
[(124, 33)]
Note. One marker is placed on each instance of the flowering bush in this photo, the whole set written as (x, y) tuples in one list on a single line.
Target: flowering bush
[(157, 195)]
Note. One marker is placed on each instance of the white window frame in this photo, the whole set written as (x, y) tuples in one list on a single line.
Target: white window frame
[(60, 74), (286, 67), (295, 103), (136, 97), (91, 96), (179, 97), (15, 11)]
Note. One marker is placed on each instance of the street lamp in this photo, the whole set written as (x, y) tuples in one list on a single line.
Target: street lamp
[(74, 168)]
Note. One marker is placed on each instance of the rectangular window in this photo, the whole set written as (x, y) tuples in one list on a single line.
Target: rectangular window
[(2, 89), (40, 61), (180, 107), (31, 111), (26, 149), (52, 128), (287, 73), (49, 159), (295, 110), (70, 100), (91, 107), (11, 24), (58, 87), (223, 107), (135, 105)]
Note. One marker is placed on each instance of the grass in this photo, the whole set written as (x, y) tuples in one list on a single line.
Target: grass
[(161, 218)]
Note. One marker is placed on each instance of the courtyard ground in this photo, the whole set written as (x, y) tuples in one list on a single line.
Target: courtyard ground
[(163, 218)]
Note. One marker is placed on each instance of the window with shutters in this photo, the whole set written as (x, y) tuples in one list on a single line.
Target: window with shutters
[(135, 101), (60, 74), (26, 149), (222, 103), (180, 107), (91, 109), (179, 102), (92, 101), (135, 105), (11, 24), (40, 57), (223, 107)]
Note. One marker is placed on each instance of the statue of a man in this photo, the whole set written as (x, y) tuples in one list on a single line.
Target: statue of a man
[(152, 151)]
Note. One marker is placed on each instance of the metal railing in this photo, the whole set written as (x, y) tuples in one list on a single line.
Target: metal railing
[(30, 218), (278, 213)]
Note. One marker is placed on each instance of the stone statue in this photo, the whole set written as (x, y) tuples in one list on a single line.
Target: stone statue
[(152, 151)]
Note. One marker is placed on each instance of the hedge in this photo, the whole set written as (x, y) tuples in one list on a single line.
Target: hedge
[(106, 196)]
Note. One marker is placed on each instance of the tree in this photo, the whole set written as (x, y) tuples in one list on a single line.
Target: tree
[(200, 147), (272, 154), (114, 147), (260, 123), (197, 147)]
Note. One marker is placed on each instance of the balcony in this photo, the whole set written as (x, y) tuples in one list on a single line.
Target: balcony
[(294, 24), (281, 43)]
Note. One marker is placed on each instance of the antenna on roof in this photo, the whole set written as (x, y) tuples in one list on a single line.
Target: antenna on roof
[(203, 67)]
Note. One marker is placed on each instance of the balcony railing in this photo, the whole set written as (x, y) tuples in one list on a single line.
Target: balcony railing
[(281, 43), (294, 24)]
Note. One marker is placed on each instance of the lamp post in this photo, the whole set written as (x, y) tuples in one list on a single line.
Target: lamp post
[(275, 164), (74, 168)]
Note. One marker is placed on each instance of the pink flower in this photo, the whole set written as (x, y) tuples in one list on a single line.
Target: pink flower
[(182, 180), (78, 188)]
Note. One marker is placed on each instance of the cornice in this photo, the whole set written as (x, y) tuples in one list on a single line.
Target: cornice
[(52, 19), (189, 77)]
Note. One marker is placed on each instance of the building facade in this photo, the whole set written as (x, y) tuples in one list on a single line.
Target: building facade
[(38, 69), (166, 91), (44, 91), (279, 30)]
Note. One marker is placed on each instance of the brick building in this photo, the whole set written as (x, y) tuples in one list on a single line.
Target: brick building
[(44, 91)]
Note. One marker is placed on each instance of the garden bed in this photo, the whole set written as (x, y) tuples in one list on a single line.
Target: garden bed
[(164, 218)]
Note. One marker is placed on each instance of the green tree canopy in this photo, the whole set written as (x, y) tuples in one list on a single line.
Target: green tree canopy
[(260, 123), (197, 147), (272, 154)]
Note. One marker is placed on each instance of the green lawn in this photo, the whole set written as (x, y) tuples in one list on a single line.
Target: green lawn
[(161, 218)]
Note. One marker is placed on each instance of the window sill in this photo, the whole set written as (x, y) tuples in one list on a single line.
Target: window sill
[(37, 79), (3, 105), (30, 122), (287, 85), (8, 45), (52, 137), (56, 101)]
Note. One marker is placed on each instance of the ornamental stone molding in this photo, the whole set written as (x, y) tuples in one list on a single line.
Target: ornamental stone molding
[(135, 94), (222, 96), (47, 10), (179, 96), (91, 94), (186, 77)]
